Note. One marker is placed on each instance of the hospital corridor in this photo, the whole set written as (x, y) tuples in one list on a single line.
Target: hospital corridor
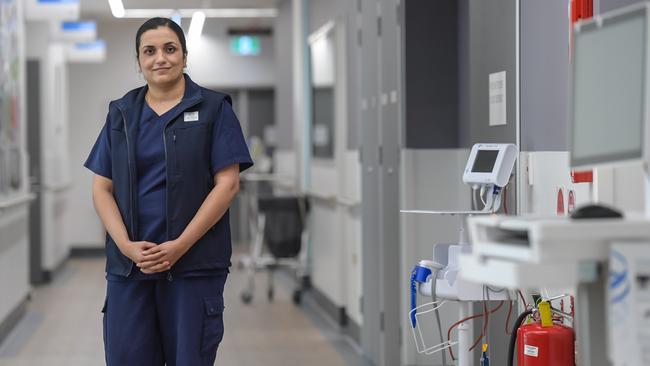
[(324, 183)]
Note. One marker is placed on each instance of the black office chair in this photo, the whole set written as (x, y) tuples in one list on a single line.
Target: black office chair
[(282, 222)]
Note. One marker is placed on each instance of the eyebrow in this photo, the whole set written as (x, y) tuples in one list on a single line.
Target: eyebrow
[(172, 43)]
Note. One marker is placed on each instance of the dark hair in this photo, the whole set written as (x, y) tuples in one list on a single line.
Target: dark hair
[(156, 22)]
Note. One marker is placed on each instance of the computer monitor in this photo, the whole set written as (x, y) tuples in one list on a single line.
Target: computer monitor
[(610, 101)]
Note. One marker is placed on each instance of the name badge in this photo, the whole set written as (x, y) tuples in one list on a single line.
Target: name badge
[(191, 116)]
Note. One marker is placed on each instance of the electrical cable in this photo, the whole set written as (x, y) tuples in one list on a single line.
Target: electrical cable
[(487, 331), (508, 317), (505, 199), (464, 320), (486, 320), (474, 201), (481, 193), (523, 299), (496, 291), (513, 336)]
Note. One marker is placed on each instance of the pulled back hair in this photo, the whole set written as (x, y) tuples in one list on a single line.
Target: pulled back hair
[(156, 22)]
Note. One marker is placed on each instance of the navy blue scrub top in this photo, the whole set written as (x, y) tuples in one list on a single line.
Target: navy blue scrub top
[(152, 175)]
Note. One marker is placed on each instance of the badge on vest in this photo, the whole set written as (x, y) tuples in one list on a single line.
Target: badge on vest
[(191, 116)]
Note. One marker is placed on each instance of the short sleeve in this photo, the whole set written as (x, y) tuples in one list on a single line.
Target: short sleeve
[(99, 160), (228, 143)]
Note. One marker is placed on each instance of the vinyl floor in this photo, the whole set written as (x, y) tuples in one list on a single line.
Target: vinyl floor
[(63, 326)]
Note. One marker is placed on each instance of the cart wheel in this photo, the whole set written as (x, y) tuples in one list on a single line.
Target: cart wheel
[(269, 294), (297, 296), (246, 297)]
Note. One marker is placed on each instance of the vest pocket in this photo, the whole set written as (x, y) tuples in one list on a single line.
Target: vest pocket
[(212, 325), (191, 149)]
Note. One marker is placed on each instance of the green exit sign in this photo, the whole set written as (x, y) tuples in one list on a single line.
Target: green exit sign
[(245, 45)]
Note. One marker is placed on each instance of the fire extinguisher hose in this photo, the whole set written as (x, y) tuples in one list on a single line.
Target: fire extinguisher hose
[(513, 335)]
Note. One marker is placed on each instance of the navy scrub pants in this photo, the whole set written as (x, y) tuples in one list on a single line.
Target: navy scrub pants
[(161, 322)]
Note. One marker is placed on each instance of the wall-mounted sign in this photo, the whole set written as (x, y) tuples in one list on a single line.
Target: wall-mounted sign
[(245, 45), (89, 52), (74, 31), (497, 93), (52, 9)]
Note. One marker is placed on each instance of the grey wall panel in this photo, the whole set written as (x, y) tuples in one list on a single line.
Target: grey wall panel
[(431, 67), (353, 68), (492, 36), (463, 74), (370, 218), (284, 76), (544, 75), (389, 73), (607, 5)]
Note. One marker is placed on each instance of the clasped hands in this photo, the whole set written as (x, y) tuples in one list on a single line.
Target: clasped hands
[(154, 258)]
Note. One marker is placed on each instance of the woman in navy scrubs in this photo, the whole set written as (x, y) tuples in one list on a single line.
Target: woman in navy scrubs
[(166, 166)]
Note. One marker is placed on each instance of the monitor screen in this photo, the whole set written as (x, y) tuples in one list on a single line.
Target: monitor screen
[(484, 162), (608, 90)]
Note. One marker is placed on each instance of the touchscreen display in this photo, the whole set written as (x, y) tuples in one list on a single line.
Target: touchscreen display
[(484, 162)]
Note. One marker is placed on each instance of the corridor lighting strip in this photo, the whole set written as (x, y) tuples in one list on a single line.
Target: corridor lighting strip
[(117, 8), (196, 26), (188, 13)]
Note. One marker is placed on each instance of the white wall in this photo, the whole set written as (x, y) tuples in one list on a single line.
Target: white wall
[(210, 63), (93, 86)]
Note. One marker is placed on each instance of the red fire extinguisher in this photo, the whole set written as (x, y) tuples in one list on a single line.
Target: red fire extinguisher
[(545, 343)]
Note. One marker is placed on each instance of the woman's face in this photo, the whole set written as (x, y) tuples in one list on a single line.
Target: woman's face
[(161, 57)]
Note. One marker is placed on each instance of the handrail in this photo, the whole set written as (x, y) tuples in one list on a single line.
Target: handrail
[(57, 187), (333, 199), (16, 201)]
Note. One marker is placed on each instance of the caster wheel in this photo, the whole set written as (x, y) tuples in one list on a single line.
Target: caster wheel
[(297, 297), (270, 295), (246, 297)]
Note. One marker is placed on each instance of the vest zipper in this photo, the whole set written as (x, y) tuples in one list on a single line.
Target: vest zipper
[(169, 273), (175, 157), (131, 181)]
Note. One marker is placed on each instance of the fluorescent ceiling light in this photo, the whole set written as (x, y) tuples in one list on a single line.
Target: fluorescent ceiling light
[(209, 13), (117, 8), (176, 17), (196, 26)]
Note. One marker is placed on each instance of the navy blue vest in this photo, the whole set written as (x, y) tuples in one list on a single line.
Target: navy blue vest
[(189, 181)]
